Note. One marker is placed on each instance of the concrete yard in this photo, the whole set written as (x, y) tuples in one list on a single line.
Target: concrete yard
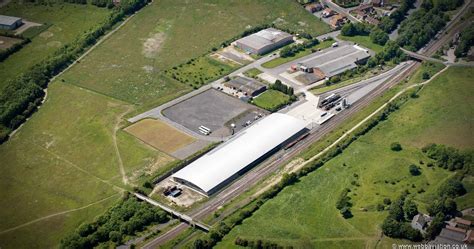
[(211, 109)]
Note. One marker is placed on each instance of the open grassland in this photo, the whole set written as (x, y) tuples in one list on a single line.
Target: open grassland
[(68, 21), (280, 60), (197, 72), (271, 100), (364, 41), (160, 135), (130, 65), (65, 158), (252, 73), (305, 214), (427, 68)]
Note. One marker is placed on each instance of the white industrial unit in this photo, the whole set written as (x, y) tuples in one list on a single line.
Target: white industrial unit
[(226, 162)]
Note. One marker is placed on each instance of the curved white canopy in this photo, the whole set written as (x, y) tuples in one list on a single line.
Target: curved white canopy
[(222, 163)]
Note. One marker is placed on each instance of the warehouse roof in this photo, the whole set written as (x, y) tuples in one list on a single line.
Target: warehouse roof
[(338, 60), (264, 38), (8, 20), (220, 164), (245, 84)]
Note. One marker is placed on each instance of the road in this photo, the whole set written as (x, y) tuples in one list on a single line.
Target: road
[(156, 112), (278, 160), (340, 10)]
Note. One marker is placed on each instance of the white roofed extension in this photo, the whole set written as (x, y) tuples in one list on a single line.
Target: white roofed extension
[(233, 156)]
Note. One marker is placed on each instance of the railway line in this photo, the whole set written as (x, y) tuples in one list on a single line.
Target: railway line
[(275, 162)]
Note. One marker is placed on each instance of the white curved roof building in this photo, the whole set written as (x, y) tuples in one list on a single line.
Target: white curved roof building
[(221, 165)]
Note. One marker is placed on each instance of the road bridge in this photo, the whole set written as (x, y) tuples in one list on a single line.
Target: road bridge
[(421, 57), (175, 213)]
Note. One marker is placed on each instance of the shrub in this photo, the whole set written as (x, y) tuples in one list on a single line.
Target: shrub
[(395, 146), (414, 170)]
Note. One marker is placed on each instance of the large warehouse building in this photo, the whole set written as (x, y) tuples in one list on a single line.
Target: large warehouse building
[(264, 41), (10, 22), (220, 166)]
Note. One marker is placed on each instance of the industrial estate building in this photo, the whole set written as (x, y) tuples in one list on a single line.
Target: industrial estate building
[(10, 22), (226, 162), (331, 63), (249, 87), (264, 41)]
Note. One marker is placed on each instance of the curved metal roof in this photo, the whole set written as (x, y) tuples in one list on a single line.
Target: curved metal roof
[(222, 163)]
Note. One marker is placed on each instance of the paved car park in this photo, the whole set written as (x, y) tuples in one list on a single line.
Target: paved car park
[(212, 109)]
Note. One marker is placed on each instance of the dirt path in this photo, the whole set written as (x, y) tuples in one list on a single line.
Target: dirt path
[(345, 135), (116, 148), (56, 214)]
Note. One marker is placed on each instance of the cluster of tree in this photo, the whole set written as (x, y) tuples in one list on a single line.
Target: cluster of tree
[(389, 23), (7, 52), (288, 90), (353, 29), (126, 218), (466, 41), (378, 36), (344, 204), (259, 244), (101, 3), (396, 225), (76, 1), (444, 206), (444, 5), (448, 157), (421, 27), (291, 50), (21, 96), (390, 52)]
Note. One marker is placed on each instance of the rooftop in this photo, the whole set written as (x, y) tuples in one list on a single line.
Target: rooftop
[(8, 20), (264, 38), (225, 161)]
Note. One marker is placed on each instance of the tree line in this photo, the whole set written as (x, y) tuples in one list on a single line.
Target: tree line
[(390, 23), (21, 96), (466, 41), (376, 35), (126, 218), (259, 244), (292, 50)]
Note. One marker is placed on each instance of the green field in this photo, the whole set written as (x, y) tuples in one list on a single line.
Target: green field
[(64, 158), (130, 65), (252, 73), (364, 41), (200, 71), (304, 215), (271, 100), (67, 21), (280, 60), (426, 67)]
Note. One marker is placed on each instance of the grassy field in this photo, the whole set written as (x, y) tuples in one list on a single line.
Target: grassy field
[(67, 23), (280, 60), (200, 71), (160, 135), (305, 213), (158, 38), (271, 100), (364, 41), (252, 73), (64, 158), (426, 67)]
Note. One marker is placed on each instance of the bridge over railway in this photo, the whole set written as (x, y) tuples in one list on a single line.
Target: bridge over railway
[(422, 57), (175, 213)]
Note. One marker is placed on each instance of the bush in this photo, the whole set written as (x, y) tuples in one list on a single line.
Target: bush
[(395, 146), (378, 36), (414, 170)]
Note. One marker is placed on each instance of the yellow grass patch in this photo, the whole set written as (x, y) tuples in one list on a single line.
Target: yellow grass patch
[(159, 135)]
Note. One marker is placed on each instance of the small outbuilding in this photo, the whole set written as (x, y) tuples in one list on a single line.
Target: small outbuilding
[(249, 87), (10, 22), (264, 41)]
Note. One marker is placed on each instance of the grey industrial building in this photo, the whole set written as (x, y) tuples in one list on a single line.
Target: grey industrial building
[(10, 22), (264, 41), (248, 86)]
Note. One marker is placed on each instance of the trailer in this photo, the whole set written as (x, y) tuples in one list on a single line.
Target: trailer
[(204, 130)]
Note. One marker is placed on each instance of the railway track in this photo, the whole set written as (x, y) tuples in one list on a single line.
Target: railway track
[(275, 162)]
